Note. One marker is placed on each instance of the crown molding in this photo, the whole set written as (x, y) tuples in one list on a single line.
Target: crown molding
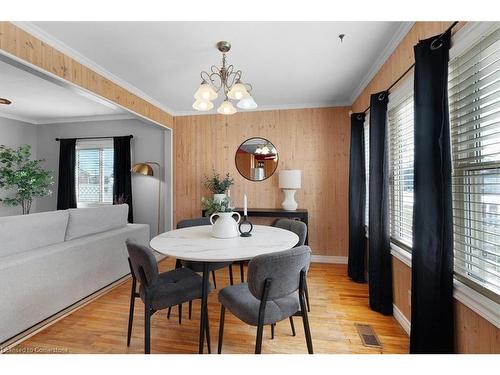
[(10, 116), (270, 108), (398, 36), (37, 32), (65, 120)]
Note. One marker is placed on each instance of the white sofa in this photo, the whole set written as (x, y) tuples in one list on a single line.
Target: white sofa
[(49, 261)]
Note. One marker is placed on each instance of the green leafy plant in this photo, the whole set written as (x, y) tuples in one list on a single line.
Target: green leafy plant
[(22, 177), (212, 206), (216, 185)]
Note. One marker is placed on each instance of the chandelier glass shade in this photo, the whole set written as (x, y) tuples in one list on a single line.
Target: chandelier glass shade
[(226, 80), (247, 103), (238, 92), (205, 92), (203, 105), (226, 108)]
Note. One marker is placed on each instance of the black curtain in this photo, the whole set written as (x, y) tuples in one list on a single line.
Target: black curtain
[(379, 259), (432, 257), (66, 187), (122, 187), (357, 192)]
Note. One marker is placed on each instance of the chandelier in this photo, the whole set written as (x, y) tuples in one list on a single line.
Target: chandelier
[(227, 81), (266, 149)]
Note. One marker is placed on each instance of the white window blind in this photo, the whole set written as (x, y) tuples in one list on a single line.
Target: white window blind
[(474, 98), (401, 150), (94, 172), (366, 127)]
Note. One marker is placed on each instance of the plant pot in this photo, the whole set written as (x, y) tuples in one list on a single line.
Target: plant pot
[(225, 226), (218, 198)]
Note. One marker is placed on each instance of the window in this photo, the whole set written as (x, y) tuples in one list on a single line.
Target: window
[(366, 127), (94, 172), (401, 152), (474, 98)]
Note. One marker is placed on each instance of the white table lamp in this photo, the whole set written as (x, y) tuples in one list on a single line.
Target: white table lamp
[(289, 181)]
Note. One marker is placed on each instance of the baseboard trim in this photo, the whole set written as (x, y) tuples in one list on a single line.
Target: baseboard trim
[(328, 259), (19, 338), (401, 319)]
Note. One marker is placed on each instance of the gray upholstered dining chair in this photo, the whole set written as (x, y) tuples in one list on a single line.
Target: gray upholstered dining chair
[(198, 266), (300, 229), (157, 290), (296, 226), (274, 291)]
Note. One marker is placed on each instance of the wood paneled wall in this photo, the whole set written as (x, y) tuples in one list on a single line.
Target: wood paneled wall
[(401, 276), (473, 333), (26, 47), (315, 141)]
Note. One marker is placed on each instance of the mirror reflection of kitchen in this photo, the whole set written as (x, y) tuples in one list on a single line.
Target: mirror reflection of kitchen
[(256, 159)]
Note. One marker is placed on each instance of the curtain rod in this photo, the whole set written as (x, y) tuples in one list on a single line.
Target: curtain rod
[(59, 139), (413, 65)]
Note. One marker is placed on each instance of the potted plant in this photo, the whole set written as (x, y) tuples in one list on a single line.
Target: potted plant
[(22, 177), (211, 206), (218, 186)]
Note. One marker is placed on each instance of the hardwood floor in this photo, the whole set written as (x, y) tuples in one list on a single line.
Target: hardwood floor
[(336, 304)]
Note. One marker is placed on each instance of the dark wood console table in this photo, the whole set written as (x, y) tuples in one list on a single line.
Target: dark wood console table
[(299, 214)]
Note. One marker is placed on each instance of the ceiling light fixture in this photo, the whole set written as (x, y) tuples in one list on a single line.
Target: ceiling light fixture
[(266, 149), (227, 80), (5, 101)]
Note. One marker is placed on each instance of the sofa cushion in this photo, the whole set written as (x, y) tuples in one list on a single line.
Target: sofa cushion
[(87, 221), (25, 232)]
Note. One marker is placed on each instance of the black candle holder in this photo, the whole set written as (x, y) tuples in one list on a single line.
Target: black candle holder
[(245, 222)]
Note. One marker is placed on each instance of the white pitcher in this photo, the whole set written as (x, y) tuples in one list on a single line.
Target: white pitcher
[(225, 226)]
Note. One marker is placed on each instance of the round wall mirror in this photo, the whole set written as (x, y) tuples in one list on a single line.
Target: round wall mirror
[(256, 159)]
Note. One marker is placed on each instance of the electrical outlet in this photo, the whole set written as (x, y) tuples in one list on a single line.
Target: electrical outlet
[(409, 298)]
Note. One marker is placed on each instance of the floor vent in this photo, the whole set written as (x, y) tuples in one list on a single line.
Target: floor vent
[(368, 335)]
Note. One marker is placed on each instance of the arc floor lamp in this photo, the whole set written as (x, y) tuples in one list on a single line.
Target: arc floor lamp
[(145, 169)]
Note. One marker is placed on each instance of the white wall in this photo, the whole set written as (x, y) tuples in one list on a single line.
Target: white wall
[(14, 133), (150, 143)]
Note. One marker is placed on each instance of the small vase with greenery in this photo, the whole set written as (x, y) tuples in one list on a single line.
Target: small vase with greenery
[(211, 206), (22, 178), (216, 185)]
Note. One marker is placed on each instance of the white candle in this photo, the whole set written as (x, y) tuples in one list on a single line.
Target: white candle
[(229, 193), (245, 205)]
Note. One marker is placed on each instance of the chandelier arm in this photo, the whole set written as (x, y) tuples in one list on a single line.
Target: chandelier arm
[(205, 77), (215, 76), (249, 87), (214, 69), (233, 77), (211, 78)]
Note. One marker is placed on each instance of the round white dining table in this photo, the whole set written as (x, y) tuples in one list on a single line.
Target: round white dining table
[(197, 244)]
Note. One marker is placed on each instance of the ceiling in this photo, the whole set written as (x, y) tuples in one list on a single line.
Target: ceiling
[(36, 100), (289, 64)]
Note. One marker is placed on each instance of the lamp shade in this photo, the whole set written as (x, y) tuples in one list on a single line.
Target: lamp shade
[(238, 92), (203, 105), (205, 92), (290, 179), (226, 108), (247, 103), (143, 168)]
